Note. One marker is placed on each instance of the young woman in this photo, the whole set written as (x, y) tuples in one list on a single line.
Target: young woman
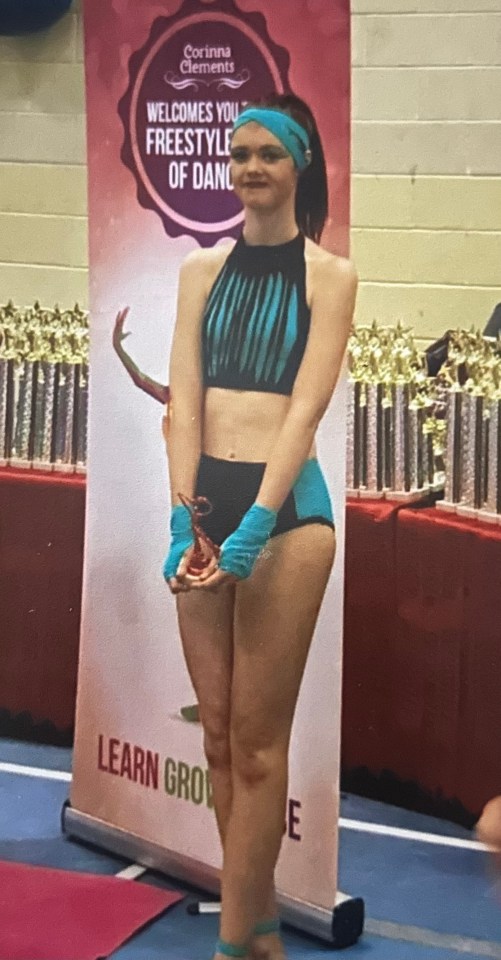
[(260, 336)]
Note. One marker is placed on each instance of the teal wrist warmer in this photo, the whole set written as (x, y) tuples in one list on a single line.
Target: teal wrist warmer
[(241, 549), (181, 539)]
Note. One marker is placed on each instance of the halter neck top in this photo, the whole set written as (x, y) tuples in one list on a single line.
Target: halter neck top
[(256, 320)]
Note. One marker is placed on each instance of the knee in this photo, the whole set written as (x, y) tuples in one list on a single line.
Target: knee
[(488, 828), (217, 742), (255, 760)]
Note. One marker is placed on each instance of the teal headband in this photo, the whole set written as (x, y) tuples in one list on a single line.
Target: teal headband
[(290, 133)]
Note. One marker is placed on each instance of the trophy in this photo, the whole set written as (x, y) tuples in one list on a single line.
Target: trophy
[(80, 424), (43, 387), (391, 416), (204, 549), (9, 377), (491, 510), (25, 377), (472, 433)]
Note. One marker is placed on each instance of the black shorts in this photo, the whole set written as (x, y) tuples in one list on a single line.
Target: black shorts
[(232, 487)]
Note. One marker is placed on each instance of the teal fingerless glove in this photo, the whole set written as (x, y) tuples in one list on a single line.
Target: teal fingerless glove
[(181, 539), (241, 549)]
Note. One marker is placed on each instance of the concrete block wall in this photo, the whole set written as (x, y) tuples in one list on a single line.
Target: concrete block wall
[(426, 188), (43, 223)]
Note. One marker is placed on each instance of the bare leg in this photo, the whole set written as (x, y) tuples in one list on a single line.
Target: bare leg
[(275, 615), (206, 627)]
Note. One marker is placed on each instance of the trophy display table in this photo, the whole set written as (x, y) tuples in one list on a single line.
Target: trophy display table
[(423, 652), (41, 554)]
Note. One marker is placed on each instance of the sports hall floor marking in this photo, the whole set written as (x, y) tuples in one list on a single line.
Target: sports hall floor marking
[(405, 834), (347, 824), (430, 938), (37, 772), (379, 928)]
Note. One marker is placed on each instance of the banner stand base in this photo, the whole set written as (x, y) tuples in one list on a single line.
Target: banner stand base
[(341, 926), (347, 918)]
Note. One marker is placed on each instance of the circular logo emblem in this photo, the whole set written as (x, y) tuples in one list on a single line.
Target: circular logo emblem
[(187, 85)]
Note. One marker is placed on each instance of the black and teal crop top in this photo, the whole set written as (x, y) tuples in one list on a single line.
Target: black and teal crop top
[(256, 320)]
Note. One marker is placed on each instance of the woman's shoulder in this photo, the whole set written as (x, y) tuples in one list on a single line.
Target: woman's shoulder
[(207, 260), (329, 266)]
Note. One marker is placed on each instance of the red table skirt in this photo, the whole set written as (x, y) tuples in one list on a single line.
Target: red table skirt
[(422, 648), (41, 555), (423, 652)]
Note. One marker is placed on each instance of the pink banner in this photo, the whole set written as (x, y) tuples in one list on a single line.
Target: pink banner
[(164, 83)]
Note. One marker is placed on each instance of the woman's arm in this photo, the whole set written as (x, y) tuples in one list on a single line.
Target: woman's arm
[(183, 431), (334, 286)]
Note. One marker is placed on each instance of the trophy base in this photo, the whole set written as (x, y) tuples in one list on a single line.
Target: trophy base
[(447, 506), (406, 496), (463, 510), (366, 494), (438, 484), (3, 462), (45, 465), (64, 467), (352, 494), (489, 517), (81, 468), (19, 464)]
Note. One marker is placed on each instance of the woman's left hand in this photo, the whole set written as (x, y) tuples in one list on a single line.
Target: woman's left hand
[(210, 579)]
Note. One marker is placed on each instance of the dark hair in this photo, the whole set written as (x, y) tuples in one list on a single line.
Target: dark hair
[(312, 191)]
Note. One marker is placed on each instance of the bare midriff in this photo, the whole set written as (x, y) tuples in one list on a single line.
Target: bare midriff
[(243, 424)]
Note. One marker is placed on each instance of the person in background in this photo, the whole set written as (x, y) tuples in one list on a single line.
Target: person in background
[(488, 830)]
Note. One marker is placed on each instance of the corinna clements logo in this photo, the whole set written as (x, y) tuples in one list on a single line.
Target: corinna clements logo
[(187, 84), (121, 758)]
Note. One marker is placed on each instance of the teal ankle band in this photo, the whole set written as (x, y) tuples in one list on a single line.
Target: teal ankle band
[(267, 926), (230, 949)]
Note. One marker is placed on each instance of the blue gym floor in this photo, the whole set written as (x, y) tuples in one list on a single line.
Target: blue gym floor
[(428, 892)]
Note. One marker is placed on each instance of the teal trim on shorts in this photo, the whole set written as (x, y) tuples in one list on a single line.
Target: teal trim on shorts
[(310, 493)]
